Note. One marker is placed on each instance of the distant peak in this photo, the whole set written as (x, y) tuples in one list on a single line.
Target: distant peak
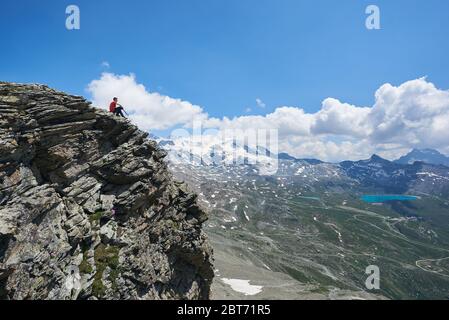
[(286, 156), (429, 156), (427, 151), (375, 157)]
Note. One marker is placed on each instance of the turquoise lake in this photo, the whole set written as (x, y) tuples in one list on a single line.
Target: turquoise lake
[(387, 197)]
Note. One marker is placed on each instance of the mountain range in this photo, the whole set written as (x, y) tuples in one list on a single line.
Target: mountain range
[(429, 156), (91, 208), (304, 231), (212, 152)]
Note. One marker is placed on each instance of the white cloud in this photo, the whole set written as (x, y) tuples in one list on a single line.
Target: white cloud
[(341, 119), (105, 64), (148, 110), (289, 121), (260, 103), (414, 114)]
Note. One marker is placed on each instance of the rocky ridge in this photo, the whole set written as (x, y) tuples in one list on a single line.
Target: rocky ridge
[(88, 208)]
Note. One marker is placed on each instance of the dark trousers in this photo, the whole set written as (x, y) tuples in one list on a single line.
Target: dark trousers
[(119, 112)]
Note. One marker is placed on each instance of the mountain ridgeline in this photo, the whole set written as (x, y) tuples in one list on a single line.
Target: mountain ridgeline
[(88, 208), (422, 171), (429, 156), (311, 229)]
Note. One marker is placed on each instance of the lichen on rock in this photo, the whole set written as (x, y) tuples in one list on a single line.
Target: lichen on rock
[(84, 191)]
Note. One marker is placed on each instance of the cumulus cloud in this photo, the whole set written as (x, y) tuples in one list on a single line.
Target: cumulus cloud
[(290, 121), (341, 119), (148, 110), (414, 114), (260, 103)]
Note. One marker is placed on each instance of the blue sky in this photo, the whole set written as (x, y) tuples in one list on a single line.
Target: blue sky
[(223, 55)]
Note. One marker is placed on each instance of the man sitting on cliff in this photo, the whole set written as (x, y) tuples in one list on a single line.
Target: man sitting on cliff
[(116, 108)]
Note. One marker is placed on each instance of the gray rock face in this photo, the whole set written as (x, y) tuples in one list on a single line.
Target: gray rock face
[(88, 209)]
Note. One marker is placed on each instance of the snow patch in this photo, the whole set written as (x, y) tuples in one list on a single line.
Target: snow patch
[(243, 286)]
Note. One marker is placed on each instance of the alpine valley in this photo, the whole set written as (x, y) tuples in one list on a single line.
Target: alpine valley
[(309, 232)]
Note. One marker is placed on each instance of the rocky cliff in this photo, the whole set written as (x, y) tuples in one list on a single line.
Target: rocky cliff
[(88, 209)]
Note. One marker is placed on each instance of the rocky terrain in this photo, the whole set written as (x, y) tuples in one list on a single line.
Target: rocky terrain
[(305, 232), (88, 209)]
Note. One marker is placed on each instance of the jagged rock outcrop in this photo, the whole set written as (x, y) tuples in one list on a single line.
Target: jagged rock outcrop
[(88, 209)]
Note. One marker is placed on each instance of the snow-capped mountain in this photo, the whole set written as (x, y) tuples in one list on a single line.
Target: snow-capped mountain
[(396, 178), (376, 173), (303, 231), (429, 156), (210, 151)]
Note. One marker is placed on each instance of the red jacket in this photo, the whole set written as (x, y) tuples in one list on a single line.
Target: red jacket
[(112, 106)]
